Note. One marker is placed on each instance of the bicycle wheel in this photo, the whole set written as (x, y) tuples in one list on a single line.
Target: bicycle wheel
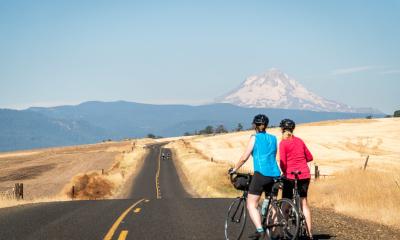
[(290, 217), (274, 222), (235, 219)]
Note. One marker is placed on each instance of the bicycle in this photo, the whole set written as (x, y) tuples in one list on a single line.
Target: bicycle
[(280, 218), (303, 230)]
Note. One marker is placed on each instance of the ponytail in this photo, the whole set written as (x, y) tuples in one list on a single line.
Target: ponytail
[(260, 128)]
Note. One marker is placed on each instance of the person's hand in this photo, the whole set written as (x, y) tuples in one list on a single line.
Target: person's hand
[(231, 171)]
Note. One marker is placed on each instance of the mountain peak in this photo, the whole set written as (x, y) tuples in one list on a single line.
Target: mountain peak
[(275, 89)]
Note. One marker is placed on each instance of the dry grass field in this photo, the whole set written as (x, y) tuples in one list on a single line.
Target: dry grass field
[(49, 174), (339, 148)]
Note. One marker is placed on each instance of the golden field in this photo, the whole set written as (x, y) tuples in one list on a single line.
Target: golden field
[(97, 171), (339, 148)]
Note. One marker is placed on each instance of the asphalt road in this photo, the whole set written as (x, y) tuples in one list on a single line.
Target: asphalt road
[(158, 208)]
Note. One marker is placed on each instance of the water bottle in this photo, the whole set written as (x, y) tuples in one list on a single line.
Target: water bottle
[(264, 206)]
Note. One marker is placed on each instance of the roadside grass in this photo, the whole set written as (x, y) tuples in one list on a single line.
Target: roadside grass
[(94, 185), (370, 194), (201, 177), (89, 183)]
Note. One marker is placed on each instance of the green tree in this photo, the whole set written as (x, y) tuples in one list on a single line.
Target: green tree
[(221, 129), (207, 130), (150, 135), (187, 134), (239, 127), (396, 113)]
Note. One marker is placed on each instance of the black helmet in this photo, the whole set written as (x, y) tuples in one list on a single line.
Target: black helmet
[(261, 119), (287, 124)]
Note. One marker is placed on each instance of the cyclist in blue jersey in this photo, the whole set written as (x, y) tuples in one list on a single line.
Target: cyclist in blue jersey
[(263, 147)]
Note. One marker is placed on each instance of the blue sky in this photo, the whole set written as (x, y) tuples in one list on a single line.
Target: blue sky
[(66, 52)]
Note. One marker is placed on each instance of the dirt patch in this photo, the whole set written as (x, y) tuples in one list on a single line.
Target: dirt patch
[(27, 173), (90, 186)]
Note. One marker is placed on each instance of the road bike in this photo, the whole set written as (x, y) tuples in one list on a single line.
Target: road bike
[(280, 218), (303, 230)]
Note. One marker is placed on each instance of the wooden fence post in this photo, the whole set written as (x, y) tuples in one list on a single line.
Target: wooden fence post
[(316, 172), (73, 192), (16, 191), (366, 162), (21, 191)]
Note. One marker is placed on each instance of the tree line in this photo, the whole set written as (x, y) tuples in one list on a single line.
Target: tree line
[(214, 130)]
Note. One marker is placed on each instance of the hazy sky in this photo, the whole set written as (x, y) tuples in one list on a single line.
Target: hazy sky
[(66, 52)]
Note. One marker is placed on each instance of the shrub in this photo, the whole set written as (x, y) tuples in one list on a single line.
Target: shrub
[(221, 129)]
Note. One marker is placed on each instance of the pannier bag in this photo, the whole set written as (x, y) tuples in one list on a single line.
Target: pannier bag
[(241, 182)]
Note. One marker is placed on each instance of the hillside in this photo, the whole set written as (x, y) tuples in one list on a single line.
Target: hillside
[(48, 174), (27, 129), (92, 122)]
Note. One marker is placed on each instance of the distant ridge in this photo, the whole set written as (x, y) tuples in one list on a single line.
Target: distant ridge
[(275, 89), (91, 122)]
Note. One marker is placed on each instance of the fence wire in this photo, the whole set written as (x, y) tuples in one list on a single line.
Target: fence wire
[(7, 193)]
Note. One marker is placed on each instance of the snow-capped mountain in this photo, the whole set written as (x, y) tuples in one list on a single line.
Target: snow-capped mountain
[(275, 89)]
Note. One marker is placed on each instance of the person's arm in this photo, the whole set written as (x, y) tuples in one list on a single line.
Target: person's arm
[(283, 159), (246, 154), (307, 153)]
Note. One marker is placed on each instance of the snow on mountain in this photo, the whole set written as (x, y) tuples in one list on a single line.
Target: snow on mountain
[(275, 89)]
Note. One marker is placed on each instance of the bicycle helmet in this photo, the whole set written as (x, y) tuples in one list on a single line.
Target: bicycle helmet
[(287, 124), (261, 119)]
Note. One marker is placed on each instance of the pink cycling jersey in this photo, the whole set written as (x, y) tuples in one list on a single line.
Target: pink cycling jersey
[(294, 156)]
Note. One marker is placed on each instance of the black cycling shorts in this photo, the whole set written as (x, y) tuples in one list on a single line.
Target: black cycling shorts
[(288, 186), (260, 183)]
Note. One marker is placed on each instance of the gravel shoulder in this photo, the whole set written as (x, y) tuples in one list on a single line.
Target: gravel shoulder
[(328, 224)]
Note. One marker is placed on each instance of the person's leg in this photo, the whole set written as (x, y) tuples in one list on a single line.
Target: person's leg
[(252, 203), (307, 213)]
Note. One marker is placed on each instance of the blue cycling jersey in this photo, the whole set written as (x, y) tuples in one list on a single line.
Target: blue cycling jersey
[(264, 155)]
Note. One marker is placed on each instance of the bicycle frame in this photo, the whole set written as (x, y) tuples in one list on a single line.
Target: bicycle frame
[(297, 201), (244, 198)]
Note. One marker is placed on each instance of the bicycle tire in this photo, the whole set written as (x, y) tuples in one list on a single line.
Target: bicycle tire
[(303, 231), (273, 217), (288, 216), (236, 219)]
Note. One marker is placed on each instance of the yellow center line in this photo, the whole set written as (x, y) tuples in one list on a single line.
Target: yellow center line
[(114, 227), (137, 210), (158, 191), (123, 235)]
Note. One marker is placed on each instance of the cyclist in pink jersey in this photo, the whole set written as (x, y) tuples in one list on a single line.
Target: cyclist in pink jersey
[(294, 156)]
